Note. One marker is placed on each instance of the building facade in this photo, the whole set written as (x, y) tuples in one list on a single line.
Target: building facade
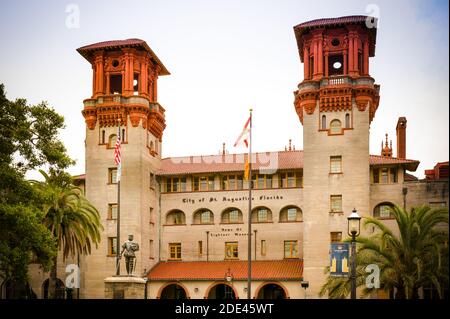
[(189, 214)]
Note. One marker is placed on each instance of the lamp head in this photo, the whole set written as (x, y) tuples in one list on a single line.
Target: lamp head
[(354, 221)]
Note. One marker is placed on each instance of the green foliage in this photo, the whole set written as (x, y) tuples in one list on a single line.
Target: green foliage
[(28, 135), (22, 239), (71, 218), (28, 140), (415, 257)]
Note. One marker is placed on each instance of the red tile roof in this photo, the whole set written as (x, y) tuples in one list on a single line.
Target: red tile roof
[(410, 178), (332, 21), (383, 160), (289, 269), (231, 162), (440, 171), (284, 160), (304, 28), (271, 160), (87, 50)]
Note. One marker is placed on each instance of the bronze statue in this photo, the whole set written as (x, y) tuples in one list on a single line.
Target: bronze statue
[(129, 247)]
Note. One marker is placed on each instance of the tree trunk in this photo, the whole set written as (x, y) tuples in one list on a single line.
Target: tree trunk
[(400, 294), (52, 280)]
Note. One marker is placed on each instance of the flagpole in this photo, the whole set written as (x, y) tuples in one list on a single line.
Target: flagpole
[(118, 214), (249, 258)]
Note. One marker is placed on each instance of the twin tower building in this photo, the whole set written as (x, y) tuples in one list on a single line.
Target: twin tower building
[(189, 215)]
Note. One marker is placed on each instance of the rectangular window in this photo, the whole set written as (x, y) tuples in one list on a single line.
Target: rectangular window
[(233, 216), (112, 211), (175, 184), (231, 250), (151, 249), (336, 203), (260, 183), (384, 175), (203, 183), (435, 205), (231, 182), (385, 211), (336, 237), (151, 216), (205, 217), (376, 176), (292, 214), (112, 246), (263, 247), (262, 215), (290, 179), (335, 164), (290, 249), (393, 175), (175, 251), (115, 84), (112, 175), (200, 248)]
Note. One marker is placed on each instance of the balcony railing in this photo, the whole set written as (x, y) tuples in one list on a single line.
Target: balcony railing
[(335, 80)]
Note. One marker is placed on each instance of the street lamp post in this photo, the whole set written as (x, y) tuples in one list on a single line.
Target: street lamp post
[(229, 279), (354, 222)]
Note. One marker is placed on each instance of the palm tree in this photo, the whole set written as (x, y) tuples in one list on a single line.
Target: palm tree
[(72, 219), (416, 257)]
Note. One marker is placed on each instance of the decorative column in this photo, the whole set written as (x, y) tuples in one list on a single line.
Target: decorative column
[(350, 53), (98, 74), (94, 79), (326, 64), (320, 56), (108, 84), (155, 83), (355, 54), (143, 78), (345, 63), (315, 58), (366, 56), (305, 62), (128, 83)]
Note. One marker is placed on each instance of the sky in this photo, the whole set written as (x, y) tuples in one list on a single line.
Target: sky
[(225, 57)]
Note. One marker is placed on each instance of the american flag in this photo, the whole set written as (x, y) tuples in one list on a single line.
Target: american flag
[(118, 157)]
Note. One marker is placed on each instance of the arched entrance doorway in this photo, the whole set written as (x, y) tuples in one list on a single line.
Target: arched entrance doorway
[(16, 290), (271, 291), (221, 291), (173, 291), (60, 289)]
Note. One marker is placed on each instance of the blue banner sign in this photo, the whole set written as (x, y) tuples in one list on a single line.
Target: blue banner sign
[(339, 259)]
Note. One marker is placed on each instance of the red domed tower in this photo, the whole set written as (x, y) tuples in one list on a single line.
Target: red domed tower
[(124, 92), (336, 102)]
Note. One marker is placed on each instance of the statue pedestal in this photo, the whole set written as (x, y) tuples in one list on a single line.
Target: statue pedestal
[(124, 287)]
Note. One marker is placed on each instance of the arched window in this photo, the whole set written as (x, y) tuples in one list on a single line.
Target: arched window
[(112, 140), (204, 216), (261, 215), (231, 216), (324, 122), (103, 136), (335, 127), (347, 120), (291, 214), (60, 289), (383, 211), (173, 291), (176, 217)]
